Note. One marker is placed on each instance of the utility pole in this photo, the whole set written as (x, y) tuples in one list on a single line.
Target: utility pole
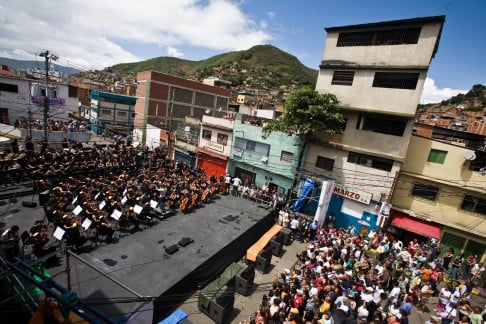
[(47, 56), (170, 124)]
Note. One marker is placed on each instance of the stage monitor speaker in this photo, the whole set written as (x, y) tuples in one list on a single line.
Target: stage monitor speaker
[(185, 241), (285, 233), (264, 259), (172, 249), (276, 245), (244, 280), (43, 198), (30, 204), (221, 305)]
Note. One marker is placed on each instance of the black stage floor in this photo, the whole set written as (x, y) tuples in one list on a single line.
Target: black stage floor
[(222, 231)]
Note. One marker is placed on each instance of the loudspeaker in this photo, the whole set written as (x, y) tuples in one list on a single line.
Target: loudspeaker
[(30, 204), (172, 249), (244, 280), (276, 245), (221, 305), (263, 260), (185, 241), (285, 233), (44, 197)]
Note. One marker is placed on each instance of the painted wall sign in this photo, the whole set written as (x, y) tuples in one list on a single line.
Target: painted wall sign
[(353, 194)]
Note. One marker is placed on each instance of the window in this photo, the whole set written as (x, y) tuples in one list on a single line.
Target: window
[(437, 156), (324, 163), (133, 115), (425, 191), (474, 204), (222, 138), (370, 161), (343, 78), (395, 80), (106, 112), (250, 145), (122, 114), (382, 124), (7, 87), (206, 134), (286, 157), (380, 37)]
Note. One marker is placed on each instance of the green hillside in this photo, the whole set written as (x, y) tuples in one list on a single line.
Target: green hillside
[(262, 66)]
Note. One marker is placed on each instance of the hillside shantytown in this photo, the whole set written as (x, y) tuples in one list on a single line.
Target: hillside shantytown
[(114, 153)]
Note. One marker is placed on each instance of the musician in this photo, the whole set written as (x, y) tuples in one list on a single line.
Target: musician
[(184, 202), (10, 243), (103, 226)]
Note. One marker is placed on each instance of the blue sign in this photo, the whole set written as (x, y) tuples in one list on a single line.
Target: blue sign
[(52, 101)]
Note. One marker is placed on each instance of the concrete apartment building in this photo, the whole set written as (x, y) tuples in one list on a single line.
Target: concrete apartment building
[(214, 147), (168, 103), (441, 194), (18, 95), (377, 71), (111, 112)]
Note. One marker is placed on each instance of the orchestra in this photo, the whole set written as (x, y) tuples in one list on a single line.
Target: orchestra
[(115, 192)]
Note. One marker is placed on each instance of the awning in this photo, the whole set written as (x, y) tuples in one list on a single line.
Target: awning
[(415, 225)]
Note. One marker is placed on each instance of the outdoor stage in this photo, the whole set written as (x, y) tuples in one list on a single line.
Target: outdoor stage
[(222, 232)]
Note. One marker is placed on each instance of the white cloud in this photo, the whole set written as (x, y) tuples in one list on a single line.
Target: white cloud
[(432, 94), (271, 15), (96, 34), (174, 52)]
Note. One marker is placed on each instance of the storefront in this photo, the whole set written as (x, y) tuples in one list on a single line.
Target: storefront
[(213, 163), (413, 227)]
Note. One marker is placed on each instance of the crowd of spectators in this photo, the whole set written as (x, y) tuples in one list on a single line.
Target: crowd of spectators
[(348, 277), (52, 125)]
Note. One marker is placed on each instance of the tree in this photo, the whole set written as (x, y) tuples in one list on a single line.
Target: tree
[(307, 113)]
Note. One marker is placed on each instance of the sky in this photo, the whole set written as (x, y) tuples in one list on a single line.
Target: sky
[(92, 35)]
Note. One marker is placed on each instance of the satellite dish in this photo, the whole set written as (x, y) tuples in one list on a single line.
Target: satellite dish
[(469, 155), (207, 111)]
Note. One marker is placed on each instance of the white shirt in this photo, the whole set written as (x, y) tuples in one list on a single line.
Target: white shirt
[(236, 181), (294, 224)]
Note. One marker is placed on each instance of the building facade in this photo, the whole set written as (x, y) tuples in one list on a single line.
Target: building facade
[(377, 71), (19, 96), (111, 112), (440, 195), (259, 159), (214, 147), (165, 103)]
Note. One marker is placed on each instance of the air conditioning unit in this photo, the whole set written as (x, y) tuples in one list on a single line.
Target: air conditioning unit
[(264, 158)]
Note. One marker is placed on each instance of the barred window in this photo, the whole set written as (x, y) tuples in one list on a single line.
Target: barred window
[(286, 156), (395, 80), (425, 191), (343, 78), (474, 204), (380, 37)]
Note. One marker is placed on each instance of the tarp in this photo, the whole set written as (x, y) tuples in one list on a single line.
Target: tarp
[(416, 225), (307, 189), (214, 286), (252, 252), (176, 317)]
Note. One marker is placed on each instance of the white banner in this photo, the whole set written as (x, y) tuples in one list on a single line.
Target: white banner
[(326, 193)]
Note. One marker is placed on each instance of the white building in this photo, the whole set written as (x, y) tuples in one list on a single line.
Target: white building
[(377, 71)]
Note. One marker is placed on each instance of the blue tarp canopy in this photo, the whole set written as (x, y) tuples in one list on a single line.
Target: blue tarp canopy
[(176, 317), (307, 188)]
